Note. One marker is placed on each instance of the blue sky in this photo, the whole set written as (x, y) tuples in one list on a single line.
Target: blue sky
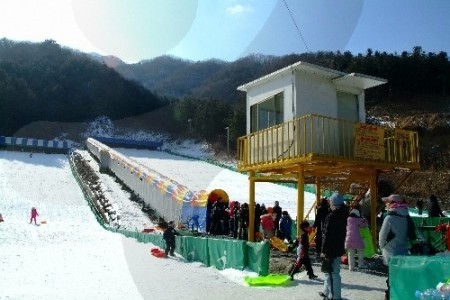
[(135, 30)]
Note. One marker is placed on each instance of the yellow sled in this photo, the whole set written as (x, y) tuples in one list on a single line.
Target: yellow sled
[(278, 244)]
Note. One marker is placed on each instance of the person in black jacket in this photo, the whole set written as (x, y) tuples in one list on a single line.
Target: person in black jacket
[(322, 212), (169, 236), (434, 210), (278, 211), (333, 246)]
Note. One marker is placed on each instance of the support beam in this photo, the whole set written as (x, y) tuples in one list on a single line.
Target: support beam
[(300, 197), (318, 189), (373, 205), (251, 207)]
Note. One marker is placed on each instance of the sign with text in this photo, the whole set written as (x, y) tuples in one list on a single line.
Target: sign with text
[(369, 142)]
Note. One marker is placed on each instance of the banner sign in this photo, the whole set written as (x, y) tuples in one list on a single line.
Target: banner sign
[(369, 142)]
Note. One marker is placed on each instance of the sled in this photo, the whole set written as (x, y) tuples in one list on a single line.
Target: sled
[(369, 249), (43, 221), (157, 252), (148, 230), (278, 244), (269, 280)]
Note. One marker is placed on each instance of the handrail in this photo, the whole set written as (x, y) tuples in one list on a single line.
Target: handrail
[(327, 137)]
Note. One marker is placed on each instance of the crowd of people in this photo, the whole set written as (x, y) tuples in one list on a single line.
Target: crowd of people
[(232, 219), (337, 229)]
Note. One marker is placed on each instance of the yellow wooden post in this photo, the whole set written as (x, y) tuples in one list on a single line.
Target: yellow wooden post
[(300, 197), (373, 205), (251, 207), (318, 188)]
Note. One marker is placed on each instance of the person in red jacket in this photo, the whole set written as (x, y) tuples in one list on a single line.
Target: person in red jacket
[(34, 214), (268, 223)]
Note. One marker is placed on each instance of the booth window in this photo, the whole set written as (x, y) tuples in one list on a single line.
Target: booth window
[(267, 113)]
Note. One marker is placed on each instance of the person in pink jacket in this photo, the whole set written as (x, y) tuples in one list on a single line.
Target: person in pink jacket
[(268, 223), (34, 214), (353, 240)]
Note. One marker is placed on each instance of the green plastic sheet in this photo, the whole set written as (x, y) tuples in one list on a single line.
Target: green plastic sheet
[(410, 273), (269, 280)]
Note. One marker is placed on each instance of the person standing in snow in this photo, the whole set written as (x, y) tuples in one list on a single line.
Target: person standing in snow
[(286, 226), (303, 253), (322, 212), (333, 246), (34, 214), (268, 223), (353, 240), (277, 212), (393, 235), (434, 210), (419, 205), (169, 236)]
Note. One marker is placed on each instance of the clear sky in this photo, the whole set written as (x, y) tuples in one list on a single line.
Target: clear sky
[(134, 30)]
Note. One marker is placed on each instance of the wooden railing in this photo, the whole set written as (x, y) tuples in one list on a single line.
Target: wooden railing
[(314, 137)]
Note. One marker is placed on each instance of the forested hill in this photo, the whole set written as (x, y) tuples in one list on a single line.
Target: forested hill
[(409, 73), (43, 81)]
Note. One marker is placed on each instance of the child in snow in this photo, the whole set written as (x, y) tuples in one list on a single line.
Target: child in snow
[(353, 240), (303, 253), (169, 236), (34, 214)]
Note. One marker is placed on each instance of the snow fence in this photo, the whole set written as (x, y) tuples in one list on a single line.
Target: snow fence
[(47, 146), (170, 200), (212, 252)]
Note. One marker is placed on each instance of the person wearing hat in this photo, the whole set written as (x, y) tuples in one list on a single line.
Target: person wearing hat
[(333, 246), (393, 235), (353, 240)]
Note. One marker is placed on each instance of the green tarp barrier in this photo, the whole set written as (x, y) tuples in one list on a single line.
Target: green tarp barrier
[(427, 226), (258, 257), (227, 254), (193, 249), (410, 273)]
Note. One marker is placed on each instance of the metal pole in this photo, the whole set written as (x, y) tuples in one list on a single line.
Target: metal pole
[(228, 139)]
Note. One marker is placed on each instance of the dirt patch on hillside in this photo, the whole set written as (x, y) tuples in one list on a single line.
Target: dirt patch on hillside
[(432, 122)]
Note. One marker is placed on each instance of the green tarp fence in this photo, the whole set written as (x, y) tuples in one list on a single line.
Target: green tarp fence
[(258, 257), (227, 254), (410, 273), (193, 249), (219, 253), (427, 227)]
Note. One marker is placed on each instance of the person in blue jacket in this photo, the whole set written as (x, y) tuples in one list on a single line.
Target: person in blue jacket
[(286, 226)]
